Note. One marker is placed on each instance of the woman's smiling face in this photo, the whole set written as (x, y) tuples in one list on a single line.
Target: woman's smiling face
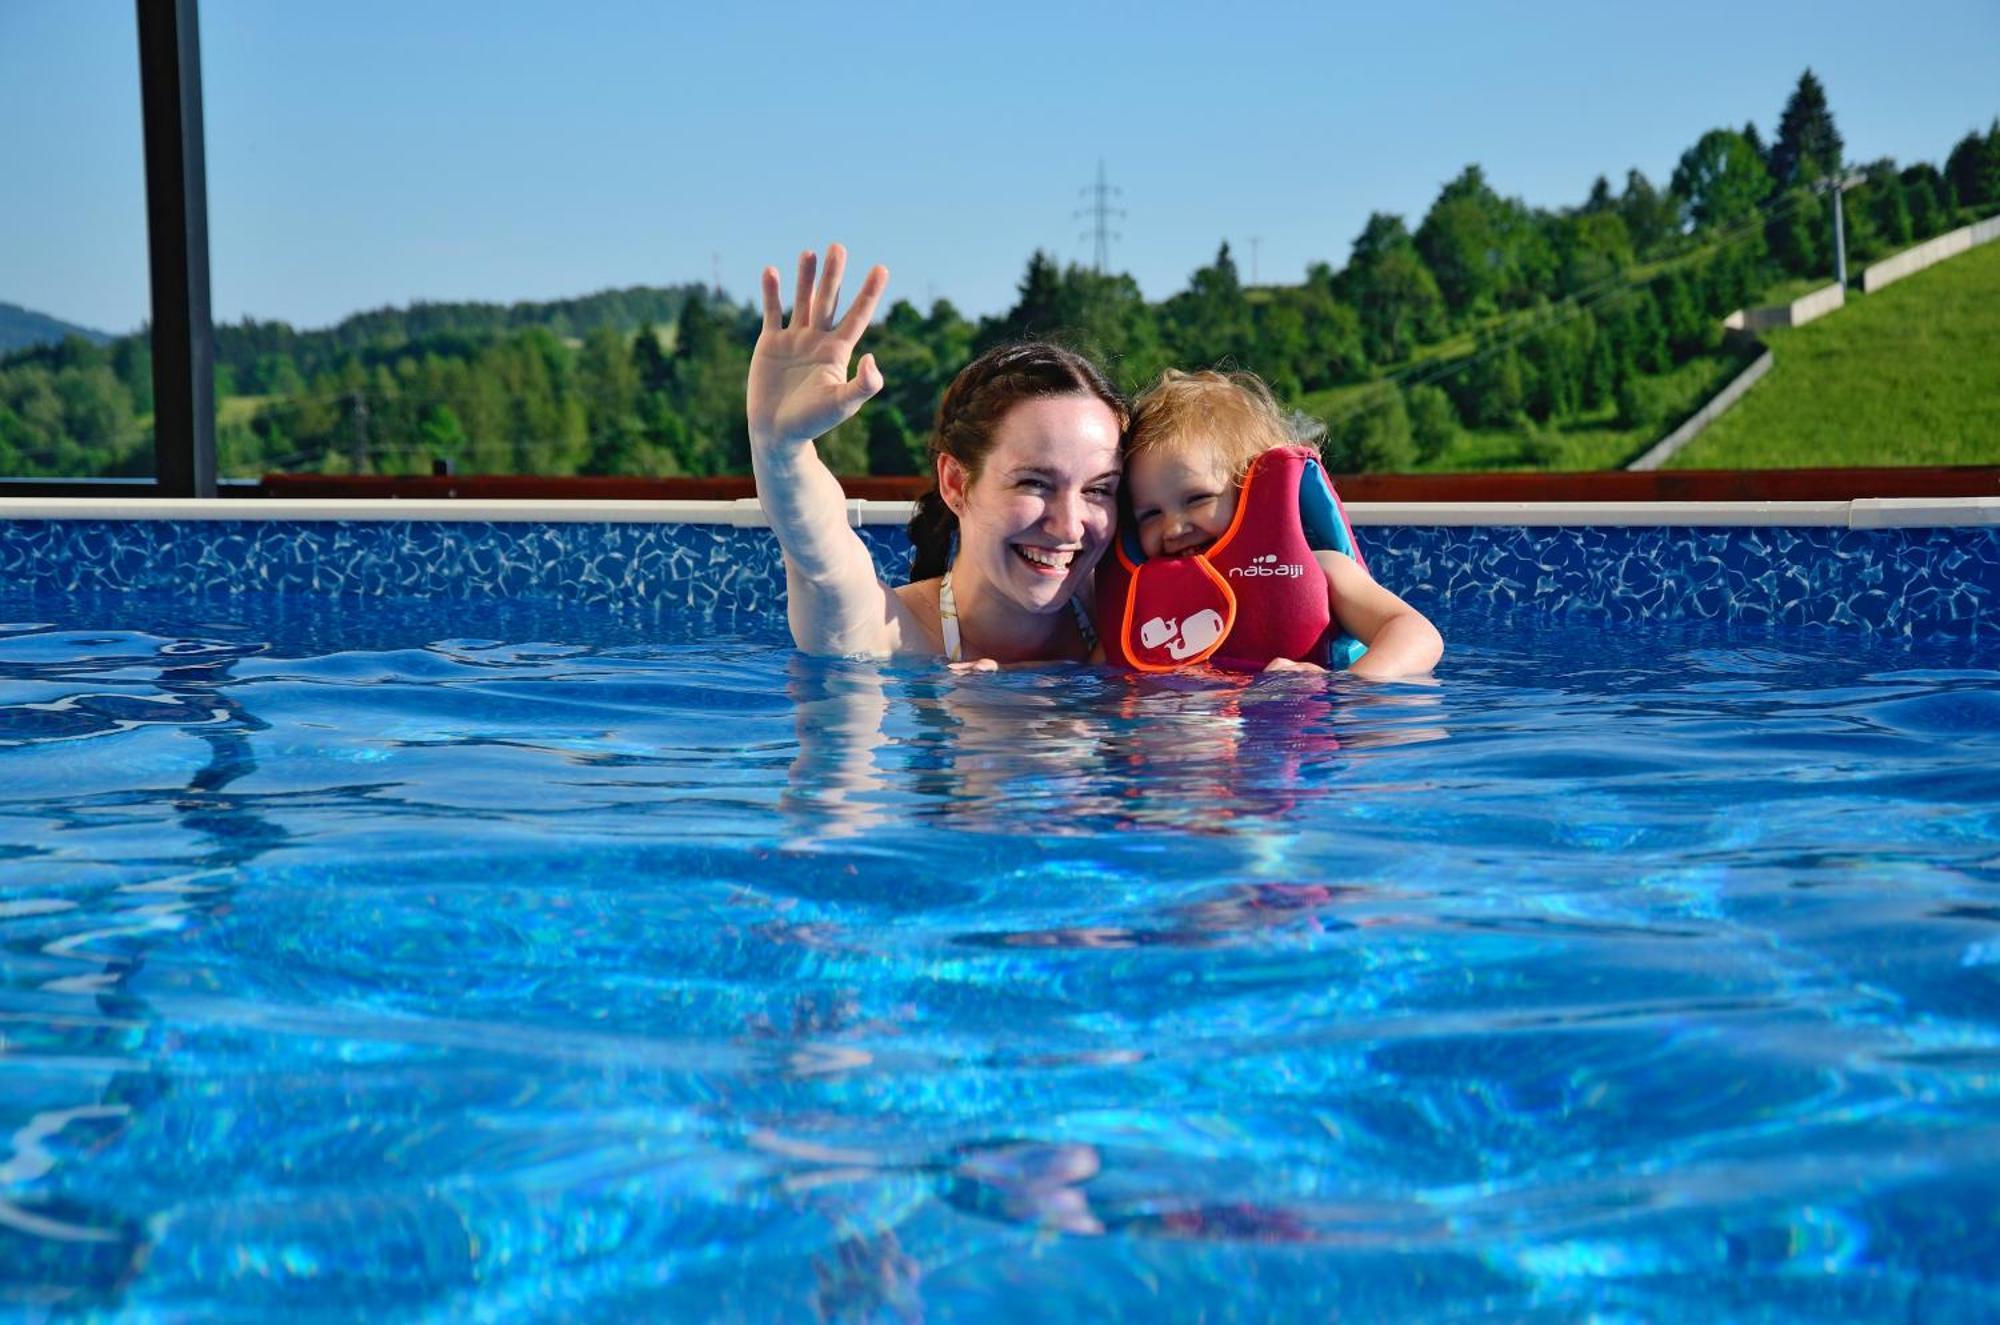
[(1183, 498), (1042, 510)]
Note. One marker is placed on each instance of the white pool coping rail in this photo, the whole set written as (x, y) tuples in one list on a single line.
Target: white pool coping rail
[(1859, 513)]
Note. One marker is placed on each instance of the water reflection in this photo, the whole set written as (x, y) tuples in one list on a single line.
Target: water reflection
[(1070, 750), (77, 1251)]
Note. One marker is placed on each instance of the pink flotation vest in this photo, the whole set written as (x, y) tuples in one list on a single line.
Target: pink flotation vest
[(1257, 593)]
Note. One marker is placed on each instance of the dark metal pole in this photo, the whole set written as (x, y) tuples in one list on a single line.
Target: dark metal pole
[(177, 235)]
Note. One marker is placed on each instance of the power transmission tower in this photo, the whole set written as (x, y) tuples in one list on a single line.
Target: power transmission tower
[(1100, 211)]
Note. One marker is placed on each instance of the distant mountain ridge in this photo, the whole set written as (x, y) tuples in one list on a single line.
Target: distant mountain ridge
[(23, 328)]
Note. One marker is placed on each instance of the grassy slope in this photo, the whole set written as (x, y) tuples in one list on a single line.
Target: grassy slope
[(1907, 376), (1595, 442)]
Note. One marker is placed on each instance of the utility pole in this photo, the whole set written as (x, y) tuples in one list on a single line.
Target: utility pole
[(715, 271), (1838, 185), (1256, 242), (1100, 211)]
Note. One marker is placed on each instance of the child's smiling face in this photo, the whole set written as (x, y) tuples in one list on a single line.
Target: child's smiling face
[(1183, 499)]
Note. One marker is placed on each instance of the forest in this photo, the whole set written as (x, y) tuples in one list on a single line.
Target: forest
[(1488, 314)]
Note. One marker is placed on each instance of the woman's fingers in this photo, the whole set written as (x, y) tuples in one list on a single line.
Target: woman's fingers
[(867, 381), (774, 316), (828, 297), (802, 296), (863, 312), (817, 296)]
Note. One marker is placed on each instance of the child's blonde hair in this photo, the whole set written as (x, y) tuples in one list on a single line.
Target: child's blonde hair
[(1234, 414)]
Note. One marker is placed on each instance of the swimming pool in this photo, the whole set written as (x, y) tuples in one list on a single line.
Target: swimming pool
[(479, 922)]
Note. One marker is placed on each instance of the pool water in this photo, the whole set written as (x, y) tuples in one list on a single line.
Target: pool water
[(433, 961)]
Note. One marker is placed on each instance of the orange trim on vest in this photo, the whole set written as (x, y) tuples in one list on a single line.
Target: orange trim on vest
[(1131, 659)]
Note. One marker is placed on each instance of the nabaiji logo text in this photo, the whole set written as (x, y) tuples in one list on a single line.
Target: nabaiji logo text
[(1270, 565)]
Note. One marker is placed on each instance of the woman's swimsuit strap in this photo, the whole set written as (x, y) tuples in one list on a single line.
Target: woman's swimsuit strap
[(954, 648)]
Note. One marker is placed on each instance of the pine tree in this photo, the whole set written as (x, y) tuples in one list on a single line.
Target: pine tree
[(1756, 141), (1649, 214), (1808, 146), (1973, 168)]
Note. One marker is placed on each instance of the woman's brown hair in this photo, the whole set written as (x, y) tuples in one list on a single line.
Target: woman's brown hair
[(969, 415)]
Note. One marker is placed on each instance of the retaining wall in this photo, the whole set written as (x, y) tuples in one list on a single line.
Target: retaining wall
[(1806, 308), (1929, 253), (1661, 451)]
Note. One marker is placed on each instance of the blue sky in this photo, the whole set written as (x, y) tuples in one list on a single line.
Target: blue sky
[(363, 153)]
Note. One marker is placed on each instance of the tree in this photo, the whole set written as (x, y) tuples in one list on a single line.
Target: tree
[(1756, 141), (1374, 438), (891, 448), (1334, 350), (1495, 383), (1689, 327), (1485, 251), (1798, 232), (1721, 180), (1210, 322), (607, 374), (1886, 205), (1651, 217), (1596, 249), (1393, 292), (441, 434), (1808, 147), (1973, 168), (1928, 199), (1038, 310), (1434, 427), (1460, 243), (649, 359)]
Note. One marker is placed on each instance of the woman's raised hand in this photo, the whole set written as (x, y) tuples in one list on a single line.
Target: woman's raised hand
[(799, 388)]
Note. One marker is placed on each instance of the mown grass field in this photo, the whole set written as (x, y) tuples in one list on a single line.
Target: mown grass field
[(1909, 375)]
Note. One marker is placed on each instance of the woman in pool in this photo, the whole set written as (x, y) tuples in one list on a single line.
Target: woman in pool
[(1026, 461)]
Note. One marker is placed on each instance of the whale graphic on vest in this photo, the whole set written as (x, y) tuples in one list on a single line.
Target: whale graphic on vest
[(1183, 639)]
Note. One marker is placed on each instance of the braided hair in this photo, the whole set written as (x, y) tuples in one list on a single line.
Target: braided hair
[(969, 415)]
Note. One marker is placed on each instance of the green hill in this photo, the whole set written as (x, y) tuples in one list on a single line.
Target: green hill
[(22, 328), (1906, 376)]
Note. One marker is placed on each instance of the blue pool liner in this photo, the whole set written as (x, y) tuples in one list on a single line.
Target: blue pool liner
[(1913, 583)]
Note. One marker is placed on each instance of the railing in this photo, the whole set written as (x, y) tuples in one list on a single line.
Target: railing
[(1675, 485)]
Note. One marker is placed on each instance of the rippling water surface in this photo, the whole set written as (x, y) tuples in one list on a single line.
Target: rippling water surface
[(455, 962)]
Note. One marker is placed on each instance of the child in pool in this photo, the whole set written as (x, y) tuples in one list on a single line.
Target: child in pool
[(1189, 453)]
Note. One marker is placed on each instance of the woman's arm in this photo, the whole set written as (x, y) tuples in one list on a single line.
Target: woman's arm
[(1401, 640), (798, 391)]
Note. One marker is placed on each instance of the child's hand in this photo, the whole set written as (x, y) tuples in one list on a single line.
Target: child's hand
[(1290, 665), (1402, 643)]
